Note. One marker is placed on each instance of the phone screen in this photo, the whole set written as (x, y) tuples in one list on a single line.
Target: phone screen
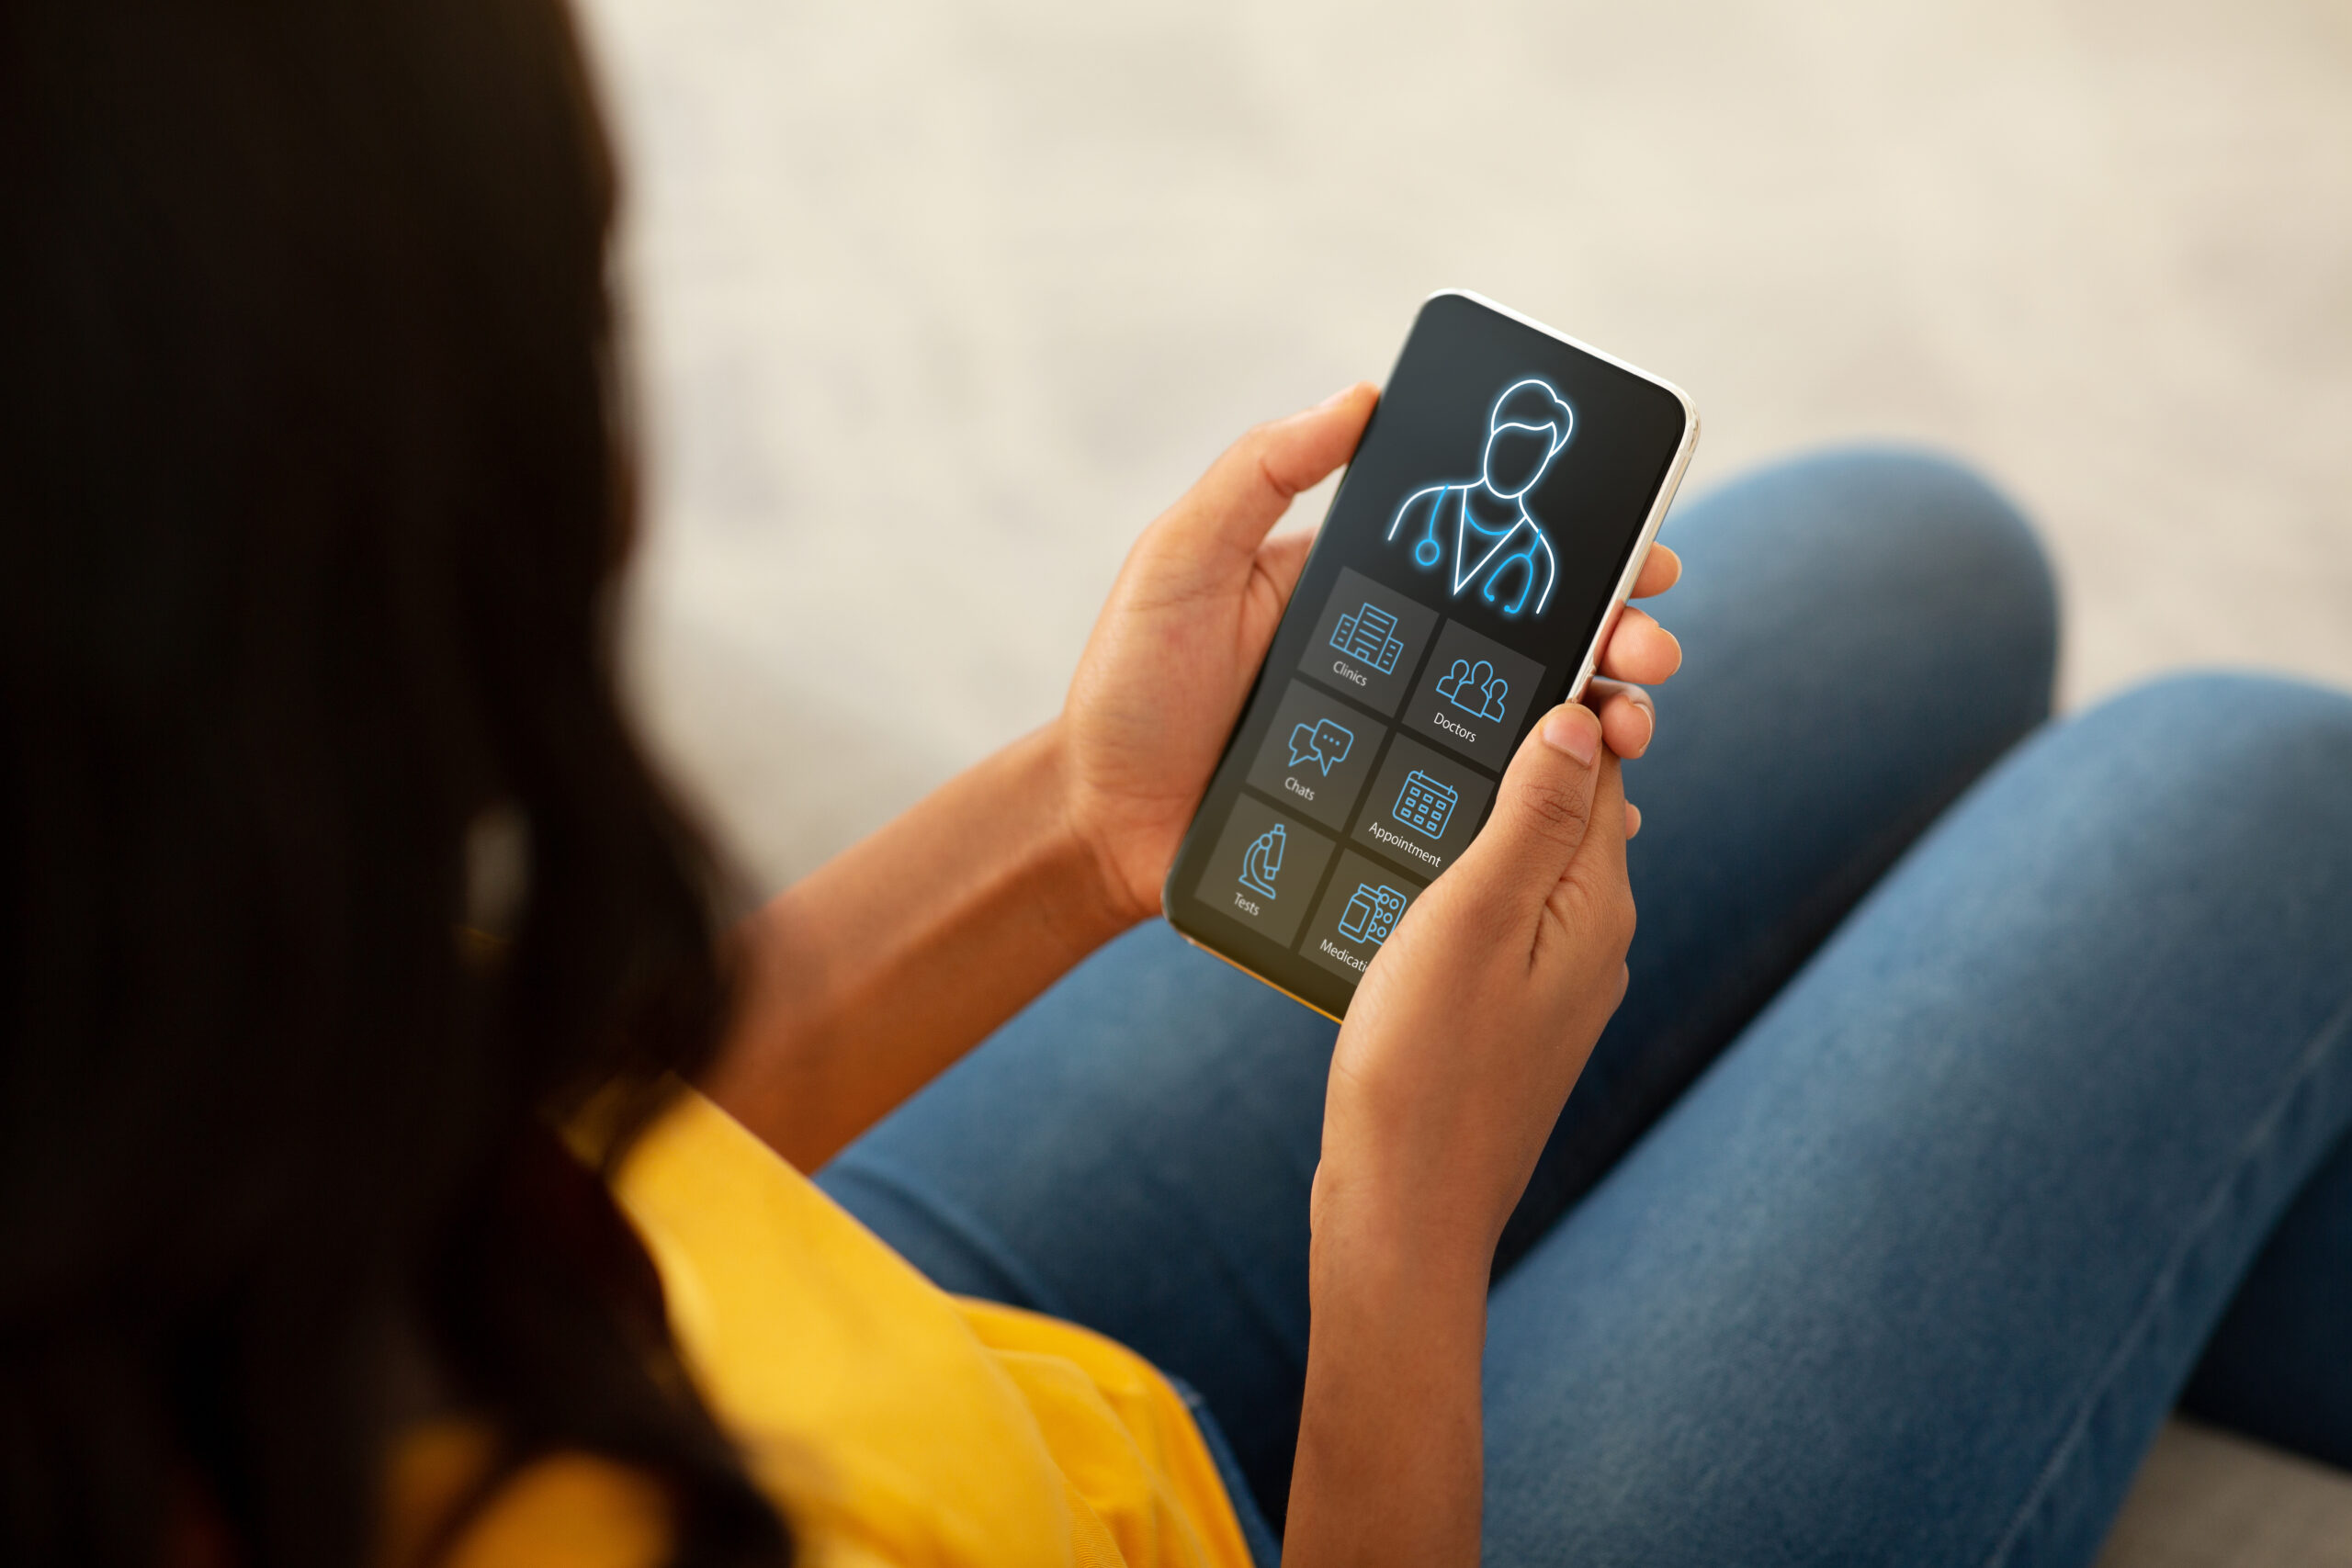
[(1470, 554)]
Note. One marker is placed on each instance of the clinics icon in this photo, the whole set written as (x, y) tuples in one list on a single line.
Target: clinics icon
[(1497, 542), (1324, 743), (1425, 804), (1369, 634), (1372, 914), (1263, 861), (1475, 688)]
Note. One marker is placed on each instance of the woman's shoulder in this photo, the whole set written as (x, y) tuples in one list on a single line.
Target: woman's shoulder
[(446, 1505)]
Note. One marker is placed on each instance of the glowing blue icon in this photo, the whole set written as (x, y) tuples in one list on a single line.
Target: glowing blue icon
[(1263, 861), (1372, 914), (1369, 634), (1475, 688), (1498, 544), (1323, 742), (1424, 805)]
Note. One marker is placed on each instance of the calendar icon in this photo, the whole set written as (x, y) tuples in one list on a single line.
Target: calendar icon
[(1425, 804)]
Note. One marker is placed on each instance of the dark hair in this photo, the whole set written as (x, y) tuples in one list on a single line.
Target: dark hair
[(312, 488)]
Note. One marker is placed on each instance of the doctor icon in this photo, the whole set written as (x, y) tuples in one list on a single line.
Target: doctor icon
[(1495, 542)]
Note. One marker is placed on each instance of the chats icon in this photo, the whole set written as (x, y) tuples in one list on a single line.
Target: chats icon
[(1324, 743)]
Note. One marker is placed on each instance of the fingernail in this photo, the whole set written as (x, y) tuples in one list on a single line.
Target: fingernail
[(1573, 730), (1335, 399)]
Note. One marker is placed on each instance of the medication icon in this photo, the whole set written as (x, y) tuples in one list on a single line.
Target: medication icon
[(1324, 743), (1372, 914), (1262, 862), (1425, 804), (1475, 688), (1369, 634)]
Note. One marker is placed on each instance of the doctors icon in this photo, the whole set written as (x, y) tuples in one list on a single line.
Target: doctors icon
[(1369, 634), (1372, 914), (1263, 861), (1324, 743), (1496, 543), (1425, 804), (1475, 688)]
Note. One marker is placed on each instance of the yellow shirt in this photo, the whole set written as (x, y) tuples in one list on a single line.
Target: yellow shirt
[(893, 1423)]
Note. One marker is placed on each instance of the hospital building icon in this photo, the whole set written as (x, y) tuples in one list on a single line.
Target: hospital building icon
[(1369, 634)]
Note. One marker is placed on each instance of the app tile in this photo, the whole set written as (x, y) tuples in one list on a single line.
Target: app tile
[(1474, 696), (1423, 808), (1359, 908), (1317, 755), (1368, 641), (1264, 868)]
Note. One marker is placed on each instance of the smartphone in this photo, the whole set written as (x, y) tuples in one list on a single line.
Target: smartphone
[(1491, 521)]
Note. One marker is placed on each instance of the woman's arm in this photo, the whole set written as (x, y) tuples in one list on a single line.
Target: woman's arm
[(1460, 1047), (879, 970), (876, 972)]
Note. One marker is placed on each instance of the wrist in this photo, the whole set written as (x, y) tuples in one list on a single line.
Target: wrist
[(1371, 1231), (1091, 832), (1094, 893)]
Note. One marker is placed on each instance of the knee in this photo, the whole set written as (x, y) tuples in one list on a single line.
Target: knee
[(1894, 552), (2272, 752), (1899, 512)]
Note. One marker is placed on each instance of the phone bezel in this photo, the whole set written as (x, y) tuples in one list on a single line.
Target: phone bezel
[(1636, 553)]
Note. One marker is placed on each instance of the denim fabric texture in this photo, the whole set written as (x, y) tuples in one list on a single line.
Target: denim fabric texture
[(1980, 1079)]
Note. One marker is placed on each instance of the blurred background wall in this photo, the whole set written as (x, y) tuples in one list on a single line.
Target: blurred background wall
[(938, 303)]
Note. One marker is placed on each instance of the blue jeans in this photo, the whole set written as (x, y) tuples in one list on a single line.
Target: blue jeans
[(1982, 1087)]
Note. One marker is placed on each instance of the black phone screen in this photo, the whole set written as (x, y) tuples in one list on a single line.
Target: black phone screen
[(1459, 580)]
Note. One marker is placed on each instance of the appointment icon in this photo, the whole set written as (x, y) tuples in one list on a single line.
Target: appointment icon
[(1372, 914), (1425, 804), (1496, 543), (1263, 861), (1475, 688), (1369, 634)]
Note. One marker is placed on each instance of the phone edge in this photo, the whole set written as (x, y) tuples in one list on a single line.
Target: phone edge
[(1634, 560)]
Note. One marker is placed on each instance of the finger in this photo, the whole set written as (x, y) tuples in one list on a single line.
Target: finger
[(1281, 559), (1628, 717), (1542, 811), (1246, 491), (1632, 819), (1661, 571), (1598, 868), (1640, 650)]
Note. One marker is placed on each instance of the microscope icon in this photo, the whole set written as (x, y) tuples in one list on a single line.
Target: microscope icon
[(1263, 861)]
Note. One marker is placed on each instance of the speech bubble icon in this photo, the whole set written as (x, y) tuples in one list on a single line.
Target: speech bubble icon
[(1323, 742)]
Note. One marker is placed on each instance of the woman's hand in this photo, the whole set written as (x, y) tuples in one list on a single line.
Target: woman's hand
[(1478, 1014), (1188, 622), (1461, 1044)]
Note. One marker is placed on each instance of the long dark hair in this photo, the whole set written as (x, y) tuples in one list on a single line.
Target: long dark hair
[(314, 482)]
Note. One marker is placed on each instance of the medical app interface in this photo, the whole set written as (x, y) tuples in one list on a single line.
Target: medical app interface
[(1457, 583)]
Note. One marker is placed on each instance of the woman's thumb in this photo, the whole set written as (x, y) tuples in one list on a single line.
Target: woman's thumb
[(1545, 807)]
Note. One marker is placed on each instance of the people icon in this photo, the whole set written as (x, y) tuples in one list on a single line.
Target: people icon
[(1496, 542), (1262, 862), (1475, 688), (1372, 914)]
